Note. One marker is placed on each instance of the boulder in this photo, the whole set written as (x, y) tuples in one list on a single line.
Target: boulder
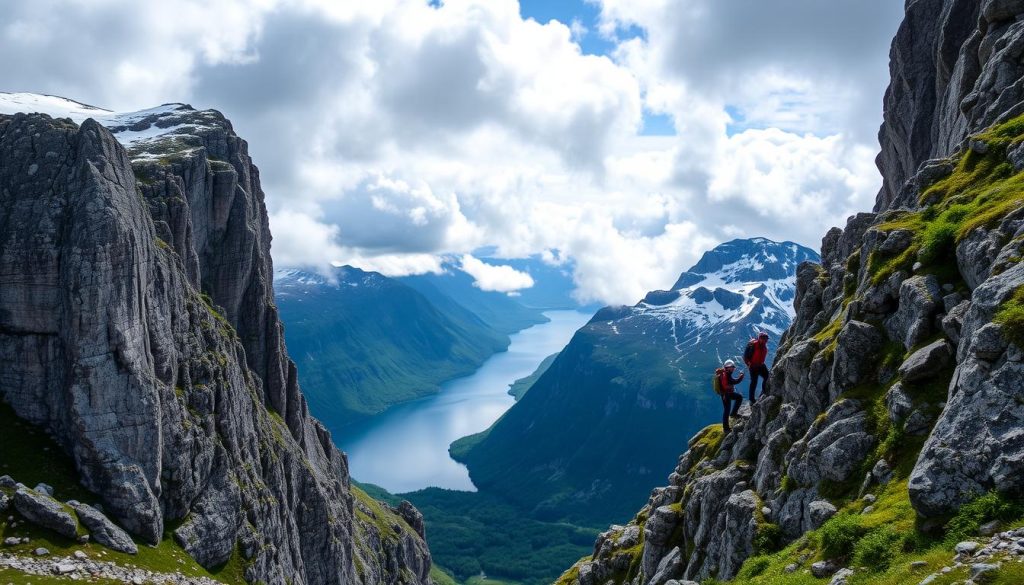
[(975, 255), (856, 352), (657, 530), (988, 342), (896, 242), (953, 321), (412, 517), (982, 572), (8, 482), (820, 511), (927, 362), (882, 472), (920, 299), (671, 566), (42, 510), (822, 569), (918, 423), (842, 577), (102, 530), (898, 403), (967, 547)]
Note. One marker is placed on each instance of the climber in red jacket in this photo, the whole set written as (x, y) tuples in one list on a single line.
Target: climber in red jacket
[(754, 356)]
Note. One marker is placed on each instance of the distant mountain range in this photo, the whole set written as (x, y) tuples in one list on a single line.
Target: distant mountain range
[(607, 420), (364, 342)]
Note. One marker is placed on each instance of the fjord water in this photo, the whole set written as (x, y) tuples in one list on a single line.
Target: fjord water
[(406, 448)]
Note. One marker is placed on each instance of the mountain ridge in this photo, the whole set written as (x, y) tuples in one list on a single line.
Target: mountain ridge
[(364, 342), (629, 386), (891, 433)]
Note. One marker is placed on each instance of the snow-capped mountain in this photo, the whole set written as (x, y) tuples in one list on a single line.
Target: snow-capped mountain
[(139, 131), (737, 289), (608, 418)]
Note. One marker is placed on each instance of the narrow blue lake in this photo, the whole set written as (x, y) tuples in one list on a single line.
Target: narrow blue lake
[(406, 448)]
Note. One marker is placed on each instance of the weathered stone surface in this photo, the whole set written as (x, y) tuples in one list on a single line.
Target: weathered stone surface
[(927, 362), (920, 300), (164, 404), (956, 69), (820, 511), (102, 530), (43, 510), (898, 403), (842, 577), (856, 354), (954, 320), (822, 569), (976, 444)]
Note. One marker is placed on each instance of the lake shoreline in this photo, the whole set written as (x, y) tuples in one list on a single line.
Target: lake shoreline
[(405, 448)]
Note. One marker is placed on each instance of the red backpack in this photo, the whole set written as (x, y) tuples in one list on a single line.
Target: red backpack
[(717, 383)]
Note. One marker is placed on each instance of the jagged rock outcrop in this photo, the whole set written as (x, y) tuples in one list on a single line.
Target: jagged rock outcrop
[(137, 326), (898, 333)]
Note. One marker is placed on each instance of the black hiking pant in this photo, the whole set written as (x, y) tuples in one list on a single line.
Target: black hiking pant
[(758, 371), (730, 398)]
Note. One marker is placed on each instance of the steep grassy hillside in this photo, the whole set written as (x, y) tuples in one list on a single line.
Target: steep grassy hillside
[(364, 342)]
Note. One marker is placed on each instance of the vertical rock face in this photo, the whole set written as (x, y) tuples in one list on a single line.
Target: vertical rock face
[(178, 412), (897, 333), (956, 68)]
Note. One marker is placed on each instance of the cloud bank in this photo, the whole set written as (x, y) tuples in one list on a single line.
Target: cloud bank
[(391, 134)]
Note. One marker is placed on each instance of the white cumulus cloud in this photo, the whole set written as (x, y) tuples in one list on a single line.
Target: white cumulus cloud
[(492, 277)]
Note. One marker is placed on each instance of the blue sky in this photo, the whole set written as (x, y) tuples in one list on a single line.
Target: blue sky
[(392, 135), (592, 43)]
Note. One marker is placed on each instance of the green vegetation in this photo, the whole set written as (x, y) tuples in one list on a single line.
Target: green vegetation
[(592, 468), (470, 533), (522, 385), (439, 577), (986, 508), (362, 349), (1011, 317), (981, 190), (840, 534), (12, 577), (30, 456)]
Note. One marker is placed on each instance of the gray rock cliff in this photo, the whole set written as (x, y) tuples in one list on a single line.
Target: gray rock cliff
[(137, 326), (900, 374)]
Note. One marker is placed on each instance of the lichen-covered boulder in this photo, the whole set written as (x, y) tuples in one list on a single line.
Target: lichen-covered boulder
[(42, 510), (920, 300), (102, 530)]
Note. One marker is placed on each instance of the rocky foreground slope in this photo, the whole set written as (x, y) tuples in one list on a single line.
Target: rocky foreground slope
[(896, 424), (138, 327)]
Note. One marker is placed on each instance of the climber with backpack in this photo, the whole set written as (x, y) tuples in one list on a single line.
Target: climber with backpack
[(725, 386), (754, 356)]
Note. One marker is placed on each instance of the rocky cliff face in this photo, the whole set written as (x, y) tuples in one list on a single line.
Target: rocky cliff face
[(137, 325), (898, 392)]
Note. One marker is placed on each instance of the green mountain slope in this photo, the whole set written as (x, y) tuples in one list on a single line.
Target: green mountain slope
[(365, 342), (609, 417), (498, 310)]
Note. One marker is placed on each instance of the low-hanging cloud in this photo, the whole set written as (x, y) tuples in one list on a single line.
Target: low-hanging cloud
[(491, 277)]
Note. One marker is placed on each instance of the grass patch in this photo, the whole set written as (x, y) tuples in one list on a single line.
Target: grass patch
[(1011, 317), (986, 508), (878, 549), (840, 534), (31, 456)]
